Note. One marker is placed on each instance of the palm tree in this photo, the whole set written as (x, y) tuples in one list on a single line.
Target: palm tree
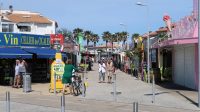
[(113, 38), (134, 36), (66, 33), (105, 36), (76, 32), (87, 37), (95, 39), (124, 36), (119, 37)]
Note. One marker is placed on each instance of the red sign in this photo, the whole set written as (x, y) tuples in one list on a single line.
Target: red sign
[(57, 41)]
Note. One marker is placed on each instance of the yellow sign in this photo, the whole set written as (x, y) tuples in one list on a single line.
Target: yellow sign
[(57, 68)]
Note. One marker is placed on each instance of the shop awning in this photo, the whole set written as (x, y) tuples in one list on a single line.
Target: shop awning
[(11, 53), (42, 52)]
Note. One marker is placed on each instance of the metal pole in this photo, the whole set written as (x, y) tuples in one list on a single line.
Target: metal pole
[(135, 106), (25, 82), (7, 101), (55, 84), (148, 68), (63, 103), (148, 61), (114, 87), (153, 90), (83, 87), (199, 53)]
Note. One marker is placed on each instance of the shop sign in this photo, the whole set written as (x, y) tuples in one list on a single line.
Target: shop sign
[(57, 41), (16, 39)]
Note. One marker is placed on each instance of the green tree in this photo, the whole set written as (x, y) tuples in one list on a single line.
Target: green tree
[(106, 36), (66, 33), (113, 38), (134, 37), (87, 37), (95, 39), (77, 32), (124, 36)]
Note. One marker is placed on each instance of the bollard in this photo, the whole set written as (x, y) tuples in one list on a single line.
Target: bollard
[(63, 103), (135, 106), (83, 82), (54, 83), (114, 87), (25, 83), (153, 90), (7, 101)]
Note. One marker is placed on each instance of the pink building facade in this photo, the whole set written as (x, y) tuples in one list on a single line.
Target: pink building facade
[(183, 45)]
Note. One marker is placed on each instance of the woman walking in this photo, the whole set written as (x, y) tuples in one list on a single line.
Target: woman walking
[(67, 76), (17, 76), (22, 70)]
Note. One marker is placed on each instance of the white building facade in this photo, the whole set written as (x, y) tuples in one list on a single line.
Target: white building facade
[(26, 22)]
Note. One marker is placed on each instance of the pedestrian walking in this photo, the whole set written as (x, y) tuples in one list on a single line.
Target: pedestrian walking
[(17, 76), (110, 70), (22, 70), (102, 71)]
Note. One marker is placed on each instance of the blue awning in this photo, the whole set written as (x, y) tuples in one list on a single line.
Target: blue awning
[(42, 52), (12, 53)]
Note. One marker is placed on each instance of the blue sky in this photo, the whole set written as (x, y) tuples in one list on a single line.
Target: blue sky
[(106, 15)]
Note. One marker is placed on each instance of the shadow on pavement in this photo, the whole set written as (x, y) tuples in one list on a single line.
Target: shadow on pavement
[(172, 86), (187, 98), (156, 93)]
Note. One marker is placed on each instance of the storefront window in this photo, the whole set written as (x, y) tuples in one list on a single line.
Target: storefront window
[(7, 27), (24, 28)]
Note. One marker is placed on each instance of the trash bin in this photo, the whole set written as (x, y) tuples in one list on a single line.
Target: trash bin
[(156, 73), (27, 82)]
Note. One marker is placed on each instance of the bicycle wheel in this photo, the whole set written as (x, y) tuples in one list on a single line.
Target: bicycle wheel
[(75, 88), (82, 88)]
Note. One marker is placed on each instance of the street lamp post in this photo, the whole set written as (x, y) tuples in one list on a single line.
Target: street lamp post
[(148, 61), (125, 26)]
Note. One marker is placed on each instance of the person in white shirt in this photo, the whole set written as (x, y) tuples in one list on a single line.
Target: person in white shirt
[(17, 76), (22, 70), (102, 71)]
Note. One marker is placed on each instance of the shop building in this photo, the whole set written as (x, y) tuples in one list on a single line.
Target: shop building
[(178, 53), (26, 35)]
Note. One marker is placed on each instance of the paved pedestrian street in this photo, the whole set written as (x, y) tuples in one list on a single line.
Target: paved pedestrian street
[(99, 98)]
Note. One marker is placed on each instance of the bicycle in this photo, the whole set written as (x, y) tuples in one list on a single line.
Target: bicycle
[(77, 85)]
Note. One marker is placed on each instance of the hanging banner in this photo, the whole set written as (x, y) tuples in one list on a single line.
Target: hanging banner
[(80, 42)]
